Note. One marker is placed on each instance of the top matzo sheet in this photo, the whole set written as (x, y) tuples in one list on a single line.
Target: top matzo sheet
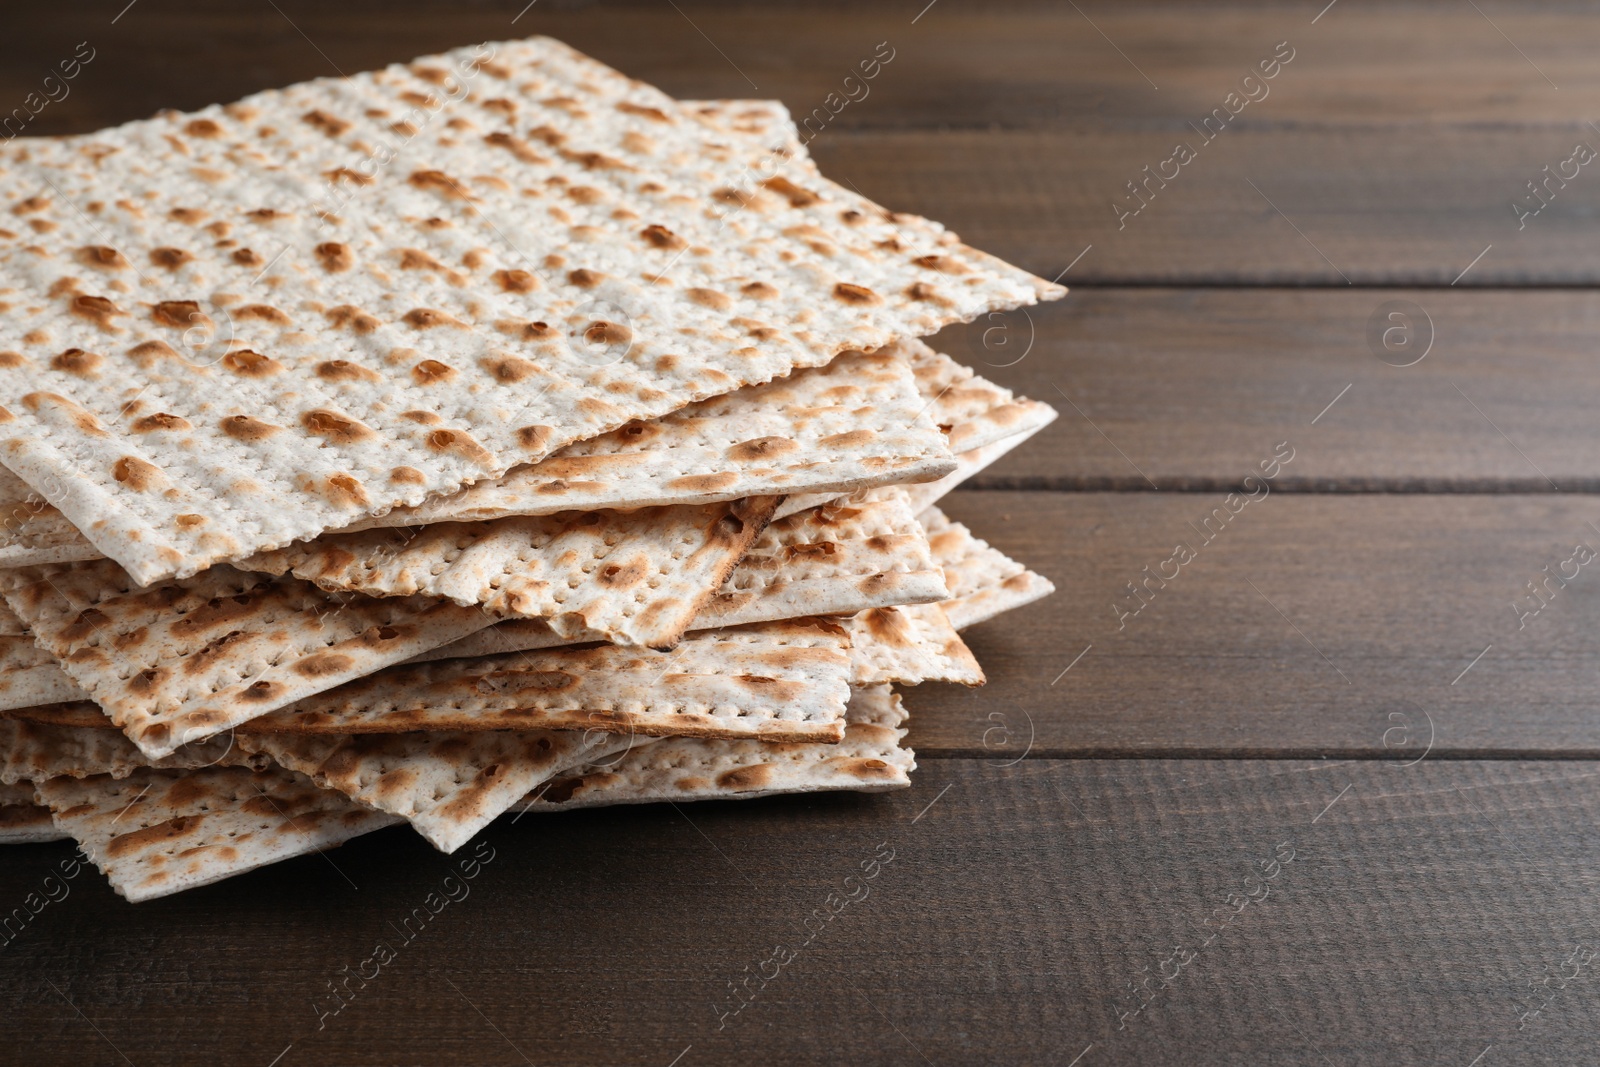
[(229, 330)]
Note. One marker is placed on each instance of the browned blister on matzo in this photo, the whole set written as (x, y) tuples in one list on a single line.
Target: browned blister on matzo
[(909, 646), (635, 578), (983, 581), (181, 661), (868, 551), (159, 832), (870, 758), (781, 681), (277, 323), (447, 784)]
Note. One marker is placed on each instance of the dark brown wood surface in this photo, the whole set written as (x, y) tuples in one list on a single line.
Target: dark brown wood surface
[(1350, 671)]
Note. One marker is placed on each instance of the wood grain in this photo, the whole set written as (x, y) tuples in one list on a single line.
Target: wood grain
[(1018, 910), (1384, 601), (1188, 388)]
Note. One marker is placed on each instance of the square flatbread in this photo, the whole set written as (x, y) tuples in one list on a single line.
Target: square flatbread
[(234, 329)]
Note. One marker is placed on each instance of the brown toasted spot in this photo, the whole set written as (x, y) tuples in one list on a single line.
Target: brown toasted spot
[(535, 438), (942, 264), (516, 146), (762, 448), (152, 837), (251, 364), (653, 113), (190, 521), (428, 318), (245, 429), (323, 664), (380, 635), (460, 443), (341, 488), (855, 294), (345, 174), (848, 439), (601, 332), (147, 352), (181, 314), (758, 291), (161, 421), (791, 192), (924, 291), (336, 428), (348, 315), (206, 128), (585, 279), (325, 122), (135, 473), (595, 160), (263, 312), (427, 418), (865, 768), (587, 194), (431, 370), (12, 359), (189, 215), (709, 298), (97, 309), (206, 656), (811, 549), (246, 258), (103, 256), (439, 182), (516, 281), (416, 259), (334, 257), (30, 205), (752, 777), (888, 626), (170, 258), (84, 625), (661, 237), (342, 370), (508, 369), (623, 575), (407, 476), (704, 483), (131, 639), (262, 690), (77, 361)]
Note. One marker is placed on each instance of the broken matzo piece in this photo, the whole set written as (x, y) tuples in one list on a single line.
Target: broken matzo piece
[(869, 759), (187, 659), (23, 822), (159, 832), (983, 581)]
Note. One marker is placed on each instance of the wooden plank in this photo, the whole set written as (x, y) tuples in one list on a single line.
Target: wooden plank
[(1371, 206), (1308, 625), (1018, 913), (1030, 65), (1189, 388)]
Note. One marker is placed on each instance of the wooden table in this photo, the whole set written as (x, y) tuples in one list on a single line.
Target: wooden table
[(1329, 797)]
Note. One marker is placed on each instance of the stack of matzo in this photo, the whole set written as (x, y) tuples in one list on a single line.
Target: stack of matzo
[(491, 432)]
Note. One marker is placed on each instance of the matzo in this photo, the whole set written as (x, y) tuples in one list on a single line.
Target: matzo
[(447, 784), (31, 751), (781, 681), (926, 494), (457, 352), (634, 578), (983, 581), (160, 832), (909, 646), (22, 822), (188, 659), (869, 759), (834, 560), (29, 675)]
